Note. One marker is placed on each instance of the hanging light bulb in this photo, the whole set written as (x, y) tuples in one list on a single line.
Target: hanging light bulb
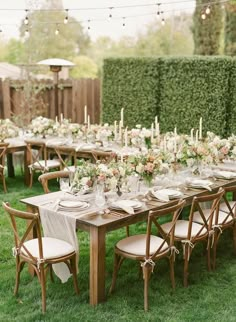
[(208, 10), (110, 14), (163, 22), (158, 10), (203, 16), (57, 31), (66, 17), (26, 20), (26, 32), (123, 25), (89, 24)]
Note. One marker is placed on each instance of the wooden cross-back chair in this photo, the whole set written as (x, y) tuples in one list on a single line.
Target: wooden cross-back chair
[(224, 219), (39, 253), (39, 160), (66, 155), (192, 231), (3, 149), (148, 248), (46, 177)]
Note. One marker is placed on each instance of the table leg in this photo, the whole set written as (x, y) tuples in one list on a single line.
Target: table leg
[(10, 167), (32, 235), (26, 167), (97, 264)]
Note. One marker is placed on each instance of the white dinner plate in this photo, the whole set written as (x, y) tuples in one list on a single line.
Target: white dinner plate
[(72, 203)]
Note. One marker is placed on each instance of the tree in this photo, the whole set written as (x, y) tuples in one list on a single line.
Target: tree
[(174, 38), (84, 67), (230, 30), (207, 28), (42, 41), (15, 51)]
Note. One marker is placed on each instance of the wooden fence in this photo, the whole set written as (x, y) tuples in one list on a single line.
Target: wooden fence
[(24, 100)]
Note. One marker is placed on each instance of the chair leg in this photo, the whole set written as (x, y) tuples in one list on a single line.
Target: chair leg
[(73, 262), (117, 263), (217, 235), (51, 273), (234, 236), (172, 271), (31, 179), (147, 269), (127, 231), (187, 254), (209, 257), (43, 287), (18, 270), (4, 184)]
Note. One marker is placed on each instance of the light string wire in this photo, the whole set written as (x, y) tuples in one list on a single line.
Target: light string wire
[(202, 5)]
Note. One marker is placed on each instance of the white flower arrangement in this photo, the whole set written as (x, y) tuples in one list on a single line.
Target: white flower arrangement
[(42, 126), (8, 129)]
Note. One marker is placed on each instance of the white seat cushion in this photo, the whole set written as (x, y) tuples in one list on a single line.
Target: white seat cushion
[(181, 229), (223, 206), (136, 245), (222, 216), (49, 165), (52, 247)]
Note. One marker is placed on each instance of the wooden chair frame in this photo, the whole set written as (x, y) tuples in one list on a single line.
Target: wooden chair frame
[(3, 149), (36, 158), (148, 261), (45, 177), (191, 241), (39, 265), (220, 227)]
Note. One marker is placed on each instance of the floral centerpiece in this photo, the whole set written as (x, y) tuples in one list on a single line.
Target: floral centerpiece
[(85, 176), (42, 126), (7, 129), (147, 166)]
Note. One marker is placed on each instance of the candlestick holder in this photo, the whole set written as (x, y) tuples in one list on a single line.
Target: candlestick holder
[(86, 132), (122, 136), (174, 163)]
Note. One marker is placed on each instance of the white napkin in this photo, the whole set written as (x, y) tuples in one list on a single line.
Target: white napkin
[(126, 208), (160, 195), (224, 174)]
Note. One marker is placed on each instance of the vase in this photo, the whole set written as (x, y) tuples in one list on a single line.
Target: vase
[(148, 181)]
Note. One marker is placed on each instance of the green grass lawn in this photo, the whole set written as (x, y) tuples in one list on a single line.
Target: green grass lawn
[(210, 296)]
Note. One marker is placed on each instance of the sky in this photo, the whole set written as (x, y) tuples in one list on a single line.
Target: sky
[(136, 18)]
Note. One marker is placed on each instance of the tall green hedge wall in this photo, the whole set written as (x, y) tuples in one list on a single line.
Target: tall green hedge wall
[(178, 90)]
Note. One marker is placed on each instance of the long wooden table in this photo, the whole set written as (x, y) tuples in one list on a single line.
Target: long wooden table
[(17, 145), (99, 225)]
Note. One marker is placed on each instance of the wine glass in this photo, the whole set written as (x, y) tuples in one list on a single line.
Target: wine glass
[(64, 184)]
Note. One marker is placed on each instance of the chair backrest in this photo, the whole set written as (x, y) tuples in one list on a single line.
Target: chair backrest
[(66, 155), (44, 178), (3, 150), (231, 208), (32, 222), (173, 211), (198, 205), (41, 153)]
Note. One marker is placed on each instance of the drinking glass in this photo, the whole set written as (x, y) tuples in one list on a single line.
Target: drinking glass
[(100, 200), (64, 184)]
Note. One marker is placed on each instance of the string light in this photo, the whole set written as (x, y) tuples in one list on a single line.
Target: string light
[(208, 10), (89, 25), (57, 31), (66, 17), (204, 12), (163, 22), (26, 32), (123, 25), (158, 10), (26, 21), (110, 14)]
